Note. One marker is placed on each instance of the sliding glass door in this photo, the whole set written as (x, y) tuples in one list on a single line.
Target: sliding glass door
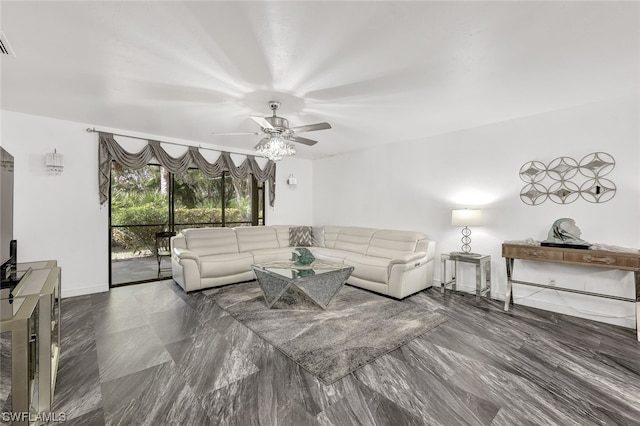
[(139, 210), (149, 204)]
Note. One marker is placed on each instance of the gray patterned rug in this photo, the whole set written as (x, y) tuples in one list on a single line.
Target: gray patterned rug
[(356, 328)]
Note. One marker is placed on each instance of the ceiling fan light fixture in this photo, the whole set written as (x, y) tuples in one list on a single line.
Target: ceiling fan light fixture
[(280, 137), (275, 148)]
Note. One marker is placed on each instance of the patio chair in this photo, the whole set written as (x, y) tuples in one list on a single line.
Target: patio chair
[(163, 247)]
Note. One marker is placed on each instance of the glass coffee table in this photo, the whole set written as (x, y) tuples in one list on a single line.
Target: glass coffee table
[(286, 284)]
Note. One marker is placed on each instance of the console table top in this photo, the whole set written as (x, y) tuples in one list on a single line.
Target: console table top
[(623, 260)]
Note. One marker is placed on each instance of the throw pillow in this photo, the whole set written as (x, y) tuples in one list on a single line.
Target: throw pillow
[(300, 236), (317, 236)]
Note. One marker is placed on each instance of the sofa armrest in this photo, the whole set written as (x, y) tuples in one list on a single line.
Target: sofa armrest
[(409, 260), (410, 274), (183, 254)]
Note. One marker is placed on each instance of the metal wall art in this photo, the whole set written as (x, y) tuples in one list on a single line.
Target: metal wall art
[(564, 180)]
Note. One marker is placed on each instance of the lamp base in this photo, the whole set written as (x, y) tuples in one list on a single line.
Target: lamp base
[(466, 240)]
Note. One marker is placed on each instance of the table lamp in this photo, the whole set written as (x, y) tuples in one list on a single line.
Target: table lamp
[(466, 218)]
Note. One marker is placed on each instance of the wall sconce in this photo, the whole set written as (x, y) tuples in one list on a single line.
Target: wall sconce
[(54, 162), (466, 218), (292, 181)]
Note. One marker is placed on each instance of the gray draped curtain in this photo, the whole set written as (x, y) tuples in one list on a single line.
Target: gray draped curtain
[(109, 150)]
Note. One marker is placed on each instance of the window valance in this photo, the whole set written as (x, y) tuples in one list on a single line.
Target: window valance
[(110, 150)]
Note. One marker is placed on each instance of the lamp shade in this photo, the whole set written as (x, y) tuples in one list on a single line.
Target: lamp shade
[(466, 217)]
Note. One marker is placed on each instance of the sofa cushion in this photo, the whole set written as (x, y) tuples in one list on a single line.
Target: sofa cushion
[(369, 268), (210, 241), (391, 244), (300, 236), (225, 264), (329, 255), (256, 238), (282, 232), (272, 255), (331, 235), (317, 236), (354, 239)]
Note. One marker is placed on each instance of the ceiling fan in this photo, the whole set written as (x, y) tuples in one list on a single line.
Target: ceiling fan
[(275, 126)]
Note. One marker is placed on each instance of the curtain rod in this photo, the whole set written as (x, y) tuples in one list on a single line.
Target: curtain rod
[(93, 130)]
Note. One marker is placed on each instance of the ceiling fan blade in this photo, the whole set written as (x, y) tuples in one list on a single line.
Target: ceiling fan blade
[(311, 127), (262, 122), (236, 133), (302, 140)]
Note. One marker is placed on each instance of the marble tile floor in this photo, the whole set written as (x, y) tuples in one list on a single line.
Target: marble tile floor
[(150, 354)]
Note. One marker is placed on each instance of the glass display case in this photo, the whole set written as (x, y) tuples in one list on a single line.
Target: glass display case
[(30, 338), (20, 359)]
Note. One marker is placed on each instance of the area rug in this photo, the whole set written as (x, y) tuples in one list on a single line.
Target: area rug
[(356, 328)]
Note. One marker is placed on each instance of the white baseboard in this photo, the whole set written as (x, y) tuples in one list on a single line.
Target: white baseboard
[(84, 290)]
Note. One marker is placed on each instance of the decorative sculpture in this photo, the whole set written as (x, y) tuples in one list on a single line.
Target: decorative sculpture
[(565, 233), (303, 257)]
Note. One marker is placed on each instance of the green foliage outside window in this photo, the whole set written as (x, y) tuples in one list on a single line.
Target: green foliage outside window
[(140, 198)]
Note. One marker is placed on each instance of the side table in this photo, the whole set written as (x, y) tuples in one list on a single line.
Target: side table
[(483, 271)]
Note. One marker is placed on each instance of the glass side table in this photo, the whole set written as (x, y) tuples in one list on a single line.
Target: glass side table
[(483, 271)]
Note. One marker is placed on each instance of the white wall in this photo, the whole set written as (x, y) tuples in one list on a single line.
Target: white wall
[(294, 205), (414, 185), (59, 217)]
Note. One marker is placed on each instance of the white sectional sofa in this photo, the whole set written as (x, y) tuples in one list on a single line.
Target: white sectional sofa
[(394, 263)]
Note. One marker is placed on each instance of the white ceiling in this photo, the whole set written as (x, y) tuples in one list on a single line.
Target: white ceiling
[(379, 72)]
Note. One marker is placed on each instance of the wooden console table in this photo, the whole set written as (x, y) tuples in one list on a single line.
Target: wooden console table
[(624, 261)]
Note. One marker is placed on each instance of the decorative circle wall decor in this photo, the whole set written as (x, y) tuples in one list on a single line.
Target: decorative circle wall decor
[(533, 171), (568, 180), (562, 168), (598, 190), (534, 194), (564, 192), (597, 164)]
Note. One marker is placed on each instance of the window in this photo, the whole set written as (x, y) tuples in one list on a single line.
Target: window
[(151, 200), (202, 201)]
